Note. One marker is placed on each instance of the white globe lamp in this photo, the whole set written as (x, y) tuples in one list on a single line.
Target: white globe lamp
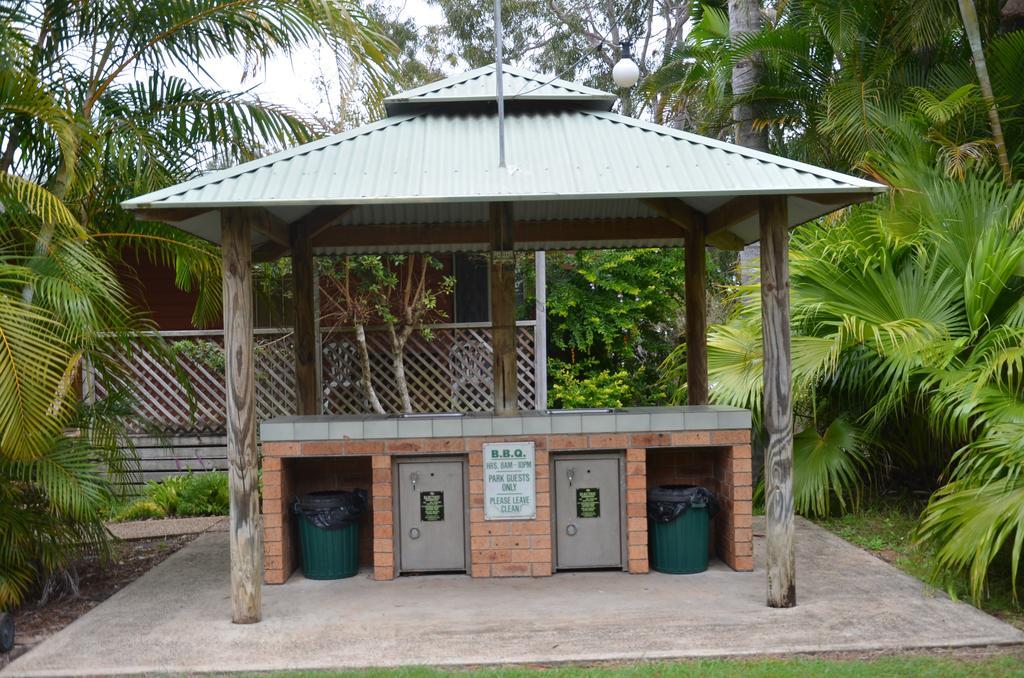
[(625, 73)]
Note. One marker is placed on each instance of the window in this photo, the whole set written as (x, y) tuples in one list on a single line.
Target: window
[(472, 288)]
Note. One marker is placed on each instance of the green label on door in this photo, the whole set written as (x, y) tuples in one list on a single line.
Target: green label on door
[(431, 506), (588, 502)]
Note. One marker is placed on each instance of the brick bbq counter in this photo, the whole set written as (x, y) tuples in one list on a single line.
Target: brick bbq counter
[(707, 446)]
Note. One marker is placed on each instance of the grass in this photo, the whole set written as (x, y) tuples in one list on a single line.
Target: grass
[(954, 667), (886, 528)]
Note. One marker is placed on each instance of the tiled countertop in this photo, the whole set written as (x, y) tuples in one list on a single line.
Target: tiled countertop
[(368, 427)]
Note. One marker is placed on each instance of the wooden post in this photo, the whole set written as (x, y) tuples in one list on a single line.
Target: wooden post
[(307, 398), (503, 311), (246, 534), (778, 402), (540, 330), (696, 316)]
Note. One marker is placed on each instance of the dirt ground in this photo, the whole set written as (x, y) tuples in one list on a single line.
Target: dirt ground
[(97, 581)]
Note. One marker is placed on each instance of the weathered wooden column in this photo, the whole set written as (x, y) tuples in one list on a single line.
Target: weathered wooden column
[(696, 315), (503, 311), (307, 397), (778, 401), (245, 535)]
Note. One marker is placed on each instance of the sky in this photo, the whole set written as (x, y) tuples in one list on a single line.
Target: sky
[(288, 81)]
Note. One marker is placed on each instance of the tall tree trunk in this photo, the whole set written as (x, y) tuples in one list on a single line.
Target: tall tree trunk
[(969, 13), (398, 341), (364, 363), (745, 17)]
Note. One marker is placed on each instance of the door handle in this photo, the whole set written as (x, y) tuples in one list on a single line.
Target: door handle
[(570, 473), (414, 533), (571, 529), (414, 477)]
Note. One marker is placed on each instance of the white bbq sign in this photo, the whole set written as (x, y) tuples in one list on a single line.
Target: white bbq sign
[(510, 481)]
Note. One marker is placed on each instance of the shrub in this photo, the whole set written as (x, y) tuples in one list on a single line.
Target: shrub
[(204, 494), (167, 492), (573, 390), (143, 509)]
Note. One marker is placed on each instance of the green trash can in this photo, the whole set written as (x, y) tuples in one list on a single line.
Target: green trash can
[(679, 526), (329, 533)]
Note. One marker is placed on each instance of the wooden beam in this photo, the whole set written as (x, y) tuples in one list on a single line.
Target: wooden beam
[(675, 210), (307, 396), (696, 318), (245, 535), (731, 213), (503, 311), (837, 199), (778, 401), (315, 222), (170, 214), (557, 233)]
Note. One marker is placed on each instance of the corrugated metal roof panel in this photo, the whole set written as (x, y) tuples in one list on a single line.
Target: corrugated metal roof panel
[(518, 85), (439, 164), (442, 157)]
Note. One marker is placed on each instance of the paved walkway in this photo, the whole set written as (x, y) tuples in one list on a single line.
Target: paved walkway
[(167, 527), (176, 618)]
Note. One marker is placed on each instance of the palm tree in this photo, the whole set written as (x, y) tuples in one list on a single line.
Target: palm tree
[(89, 116)]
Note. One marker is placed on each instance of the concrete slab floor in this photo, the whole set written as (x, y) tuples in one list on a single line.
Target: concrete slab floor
[(176, 617)]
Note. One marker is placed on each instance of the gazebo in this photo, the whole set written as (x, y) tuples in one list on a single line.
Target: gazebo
[(427, 179)]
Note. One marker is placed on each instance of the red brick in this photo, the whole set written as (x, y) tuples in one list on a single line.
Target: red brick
[(281, 449), (543, 485), (491, 556), (476, 486), (273, 577), (383, 572), (743, 548), (543, 499), (567, 442), (637, 552), (636, 524), (509, 542), (636, 496), (273, 534), (405, 445), (271, 491), (691, 438), (476, 472), (741, 520), (492, 528), (741, 465), (541, 569), (479, 542), (367, 447), (271, 464), (650, 439), (322, 447), (381, 503), (638, 566), (530, 527), (741, 493), (383, 531), (743, 564), (476, 515), (480, 570), (637, 538), (272, 520), (543, 513), (637, 509), (636, 482), (383, 559), (510, 570), (743, 534), (607, 441), (272, 563), (730, 437), (383, 518), (476, 500), (636, 468), (542, 457), (740, 452), (271, 477), (636, 454), (382, 490), (272, 548), (541, 541)]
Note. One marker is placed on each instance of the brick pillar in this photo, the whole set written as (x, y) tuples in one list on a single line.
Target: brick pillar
[(735, 538), (278, 552), (636, 510), (383, 519)]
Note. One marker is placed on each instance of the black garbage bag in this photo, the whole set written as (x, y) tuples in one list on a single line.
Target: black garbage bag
[(665, 503), (332, 509)]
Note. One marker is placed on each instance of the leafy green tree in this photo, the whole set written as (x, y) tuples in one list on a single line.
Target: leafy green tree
[(89, 115)]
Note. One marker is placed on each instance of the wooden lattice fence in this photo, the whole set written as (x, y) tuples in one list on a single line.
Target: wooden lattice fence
[(448, 369)]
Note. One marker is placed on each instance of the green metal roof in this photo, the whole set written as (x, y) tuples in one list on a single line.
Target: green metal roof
[(434, 161)]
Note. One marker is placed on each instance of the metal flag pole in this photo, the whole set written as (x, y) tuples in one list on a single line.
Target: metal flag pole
[(499, 36)]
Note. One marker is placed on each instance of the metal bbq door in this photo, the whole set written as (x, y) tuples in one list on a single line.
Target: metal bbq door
[(431, 516), (588, 512)]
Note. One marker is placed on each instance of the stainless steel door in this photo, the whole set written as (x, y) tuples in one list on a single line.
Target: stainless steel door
[(431, 516), (588, 512)]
